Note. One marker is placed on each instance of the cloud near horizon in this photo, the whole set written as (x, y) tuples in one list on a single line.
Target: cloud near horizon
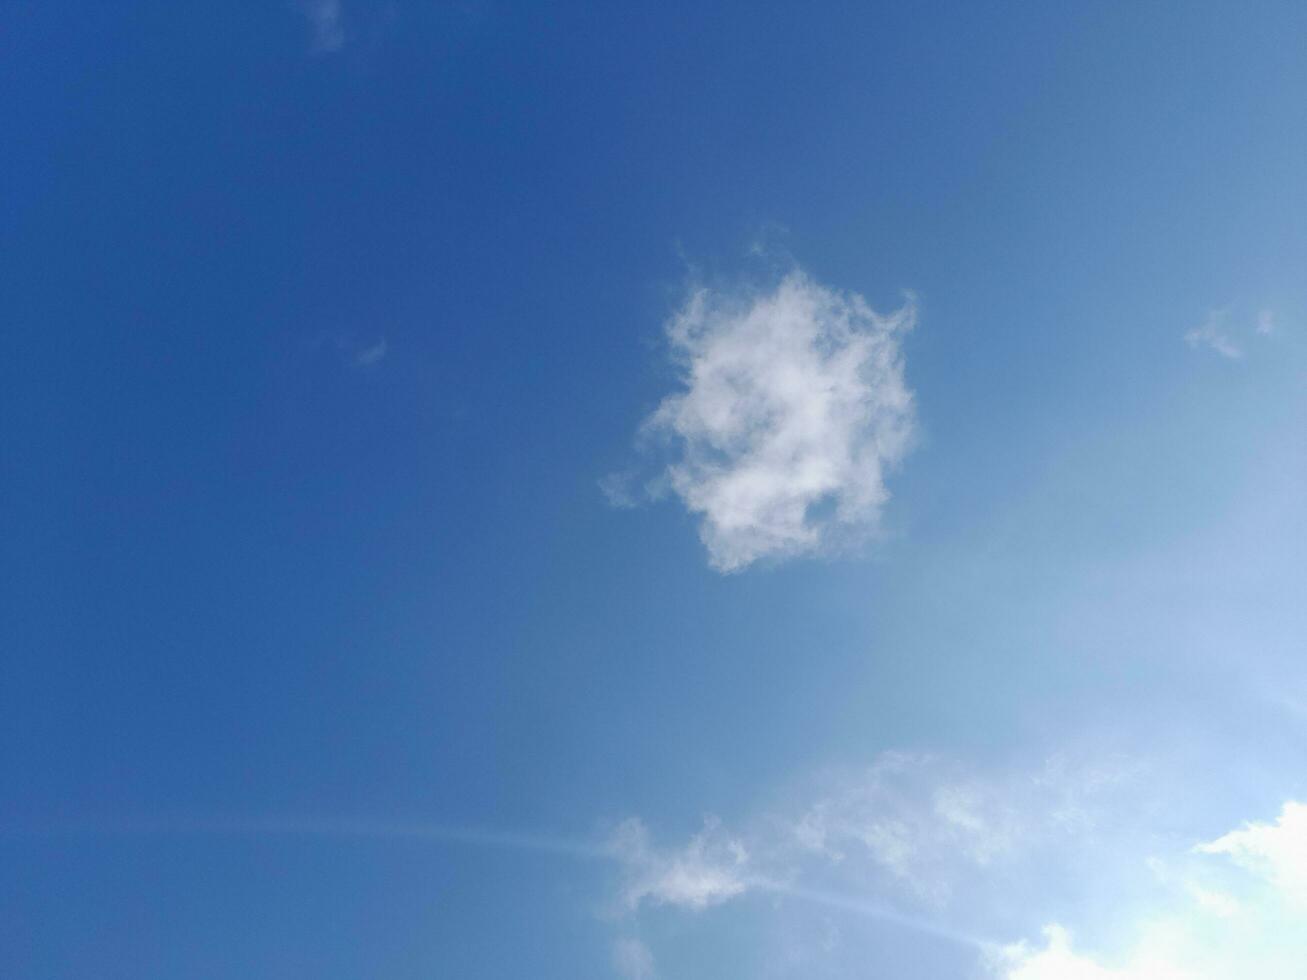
[(917, 841), (793, 410), (1217, 925)]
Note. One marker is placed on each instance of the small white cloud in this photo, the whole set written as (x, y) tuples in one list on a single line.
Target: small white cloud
[(326, 24), (794, 410), (708, 871), (1265, 322), (1056, 960), (632, 959), (1276, 852), (1214, 335)]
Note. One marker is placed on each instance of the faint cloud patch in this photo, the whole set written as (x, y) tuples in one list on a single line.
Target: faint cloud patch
[(632, 959), (706, 871), (793, 410), (1213, 335), (351, 351), (326, 19), (621, 491), (367, 356), (1228, 333)]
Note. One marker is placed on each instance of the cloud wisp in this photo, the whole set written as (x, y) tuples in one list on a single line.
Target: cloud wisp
[(793, 409), (1213, 334), (632, 959), (338, 829), (917, 842), (906, 842), (1227, 335), (710, 869), (371, 354), (326, 24)]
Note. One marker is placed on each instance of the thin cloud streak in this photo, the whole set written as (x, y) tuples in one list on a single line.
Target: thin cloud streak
[(343, 829), (872, 910)]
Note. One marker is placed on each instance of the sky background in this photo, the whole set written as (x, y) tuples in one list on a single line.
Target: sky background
[(327, 648)]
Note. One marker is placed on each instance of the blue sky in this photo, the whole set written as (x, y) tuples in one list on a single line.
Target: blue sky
[(670, 491)]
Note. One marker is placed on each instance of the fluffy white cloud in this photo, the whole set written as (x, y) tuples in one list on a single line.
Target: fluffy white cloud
[(1057, 961), (794, 408), (1276, 852), (1202, 933)]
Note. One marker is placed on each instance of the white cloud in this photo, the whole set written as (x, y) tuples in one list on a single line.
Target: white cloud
[(1214, 335), (1056, 960), (1265, 322), (794, 409), (326, 24), (1276, 852), (919, 842), (1201, 932), (633, 960), (706, 871)]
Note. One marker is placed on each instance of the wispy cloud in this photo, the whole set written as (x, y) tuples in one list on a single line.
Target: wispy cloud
[(352, 351), (632, 959), (370, 354), (333, 828), (1227, 332), (793, 409), (918, 842), (706, 871), (910, 825), (326, 24), (1213, 335)]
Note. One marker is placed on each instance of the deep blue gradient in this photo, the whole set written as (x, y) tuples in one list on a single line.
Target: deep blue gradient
[(245, 575)]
